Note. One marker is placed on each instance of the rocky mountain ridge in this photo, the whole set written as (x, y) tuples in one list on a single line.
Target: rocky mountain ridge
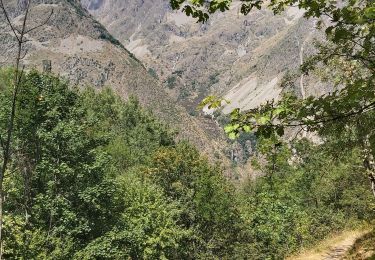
[(243, 58), (168, 60), (81, 50)]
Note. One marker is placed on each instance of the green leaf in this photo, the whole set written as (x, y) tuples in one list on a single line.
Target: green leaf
[(370, 13), (232, 135), (228, 128), (247, 128), (263, 120)]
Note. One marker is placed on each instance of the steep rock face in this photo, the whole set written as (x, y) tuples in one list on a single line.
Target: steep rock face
[(241, 57), (82, 50)]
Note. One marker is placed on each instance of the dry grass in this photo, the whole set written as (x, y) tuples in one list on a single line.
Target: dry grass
[(336, 247), (363, 248)]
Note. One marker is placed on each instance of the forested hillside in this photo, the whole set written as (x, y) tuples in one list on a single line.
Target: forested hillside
[(94, 177), (98, 169)]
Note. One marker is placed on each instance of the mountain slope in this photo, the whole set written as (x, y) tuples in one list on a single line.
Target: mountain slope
[(241, 57), (81, 50)]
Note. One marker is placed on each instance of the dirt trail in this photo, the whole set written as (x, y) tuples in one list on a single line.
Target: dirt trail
[(331, 249)]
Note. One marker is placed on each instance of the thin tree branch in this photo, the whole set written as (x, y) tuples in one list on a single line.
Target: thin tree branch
[(296, 135), (23, 32), (364, 109), (2, 142), (372, 180), (41, 24), (26, 40), (24, 55), (2, 6)]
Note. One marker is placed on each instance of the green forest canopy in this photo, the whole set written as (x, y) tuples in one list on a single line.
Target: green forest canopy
[(94, 177)]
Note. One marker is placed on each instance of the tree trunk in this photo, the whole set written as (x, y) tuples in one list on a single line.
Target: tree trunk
[(18, 74), (369, 163)]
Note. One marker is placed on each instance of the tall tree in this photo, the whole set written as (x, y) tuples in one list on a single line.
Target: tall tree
[(59, 190), (6, 141)]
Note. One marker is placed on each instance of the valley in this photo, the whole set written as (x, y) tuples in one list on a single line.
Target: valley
[(220, 129)]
